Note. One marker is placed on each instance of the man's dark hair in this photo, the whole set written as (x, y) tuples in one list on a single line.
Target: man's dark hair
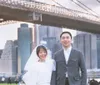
[(40, 47), (65, 33)]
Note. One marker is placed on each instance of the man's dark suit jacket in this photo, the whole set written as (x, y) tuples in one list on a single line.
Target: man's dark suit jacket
[(77, 74)]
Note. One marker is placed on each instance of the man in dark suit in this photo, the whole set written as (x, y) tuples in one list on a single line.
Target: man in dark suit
[(70, 65)]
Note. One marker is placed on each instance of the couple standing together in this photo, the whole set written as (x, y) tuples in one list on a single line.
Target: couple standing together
[(67, 67)]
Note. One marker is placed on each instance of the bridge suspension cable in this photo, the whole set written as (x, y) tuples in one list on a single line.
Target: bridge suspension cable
[(83, 5), (88, 8), (79, 5), (67, 8), (98, 1), (59, 4)]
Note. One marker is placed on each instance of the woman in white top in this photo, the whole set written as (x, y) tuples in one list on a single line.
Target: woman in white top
[(39, 71)]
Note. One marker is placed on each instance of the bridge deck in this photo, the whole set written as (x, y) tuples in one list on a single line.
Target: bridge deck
[(46, 14)]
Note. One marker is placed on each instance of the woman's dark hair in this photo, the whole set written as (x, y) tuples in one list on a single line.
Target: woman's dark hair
[(40, 47), (65, 33)]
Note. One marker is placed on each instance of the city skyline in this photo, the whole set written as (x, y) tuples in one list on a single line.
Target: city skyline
[(9, 32)]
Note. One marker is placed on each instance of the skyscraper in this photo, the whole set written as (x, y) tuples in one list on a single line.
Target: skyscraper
[(87, 44), (24, 45), (8, 60), (50, 35)]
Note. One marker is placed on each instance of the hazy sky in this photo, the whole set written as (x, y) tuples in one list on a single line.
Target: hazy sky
[(9, 32)]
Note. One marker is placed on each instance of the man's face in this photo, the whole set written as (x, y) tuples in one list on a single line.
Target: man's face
[(66, 40)]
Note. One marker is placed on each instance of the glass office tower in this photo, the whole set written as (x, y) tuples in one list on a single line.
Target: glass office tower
[(24, 45)]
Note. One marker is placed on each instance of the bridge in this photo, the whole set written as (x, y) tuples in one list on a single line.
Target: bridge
[(45, 14)]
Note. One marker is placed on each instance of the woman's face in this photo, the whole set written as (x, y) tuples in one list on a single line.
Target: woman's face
[(42, 54)]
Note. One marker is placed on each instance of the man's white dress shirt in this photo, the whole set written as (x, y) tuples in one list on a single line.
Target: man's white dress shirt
[(67, 52)]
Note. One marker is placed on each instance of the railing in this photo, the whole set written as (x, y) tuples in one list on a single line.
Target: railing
[(93, 73), (8, 22), (49, 9)]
